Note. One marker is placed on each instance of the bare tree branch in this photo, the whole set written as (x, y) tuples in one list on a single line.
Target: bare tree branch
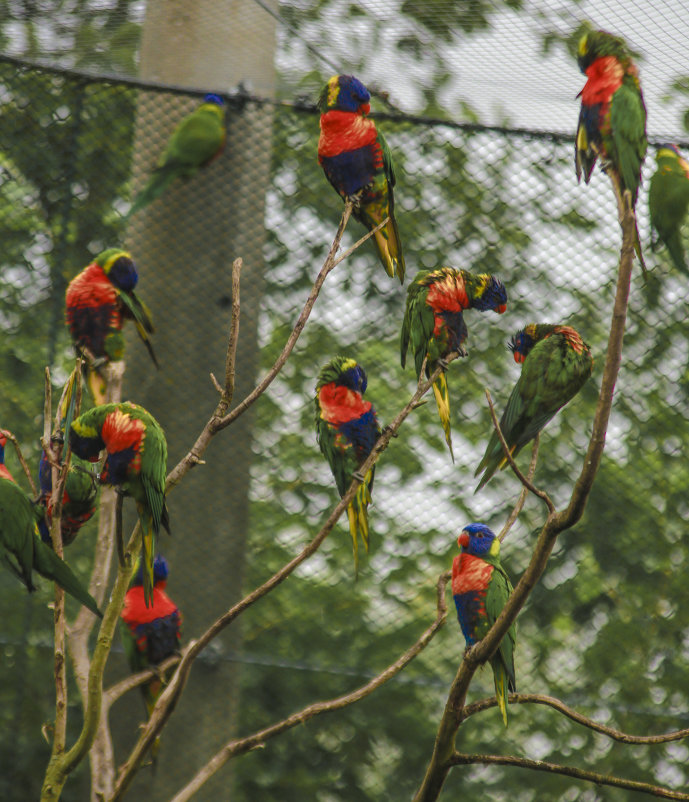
[(512, 518), (231, 358), (459, 759), (239, 746)]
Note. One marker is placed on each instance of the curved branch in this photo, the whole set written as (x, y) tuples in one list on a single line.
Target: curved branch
[(512, 518), (578, 718), (459, 759), (240, 746)]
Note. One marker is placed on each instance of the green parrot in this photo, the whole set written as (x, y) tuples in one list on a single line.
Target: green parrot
[(434, 322), (668, 198), (23, 551), (196, 141), (612, 120), (136, 463), (556, 364)]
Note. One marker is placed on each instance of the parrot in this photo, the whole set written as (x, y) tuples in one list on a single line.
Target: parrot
[(135, 463), (556, 363), (196, 141), (346, 431), (481, 587), (98, 301), (4, 470), (150, 634), (78, 500), (668, 198), (23, 551), (434, 323), (356, 160), (612, 120)]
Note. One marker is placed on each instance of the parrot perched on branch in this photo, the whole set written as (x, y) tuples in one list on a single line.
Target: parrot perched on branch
[(434, 322), (346, 430), (78, 500), (356, 160), (23, 551), (481, 587), (612, 120), (196, 141), (668, 198), (99, 300), (150, 633), (135, 463), (556, 364)]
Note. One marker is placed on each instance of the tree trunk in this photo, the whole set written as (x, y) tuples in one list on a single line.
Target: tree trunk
[(184, 244)]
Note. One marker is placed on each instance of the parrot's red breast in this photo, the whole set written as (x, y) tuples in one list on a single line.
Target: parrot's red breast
[(121, 432), (340, 404), (470, 573), (604, 79), (345, 130)]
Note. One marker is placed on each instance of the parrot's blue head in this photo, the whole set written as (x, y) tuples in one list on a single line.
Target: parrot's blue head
[(521, 343), (353, 376), (345, 93), (215, 99), (160, 571), (119, 267), (491, 295), (478, 539)]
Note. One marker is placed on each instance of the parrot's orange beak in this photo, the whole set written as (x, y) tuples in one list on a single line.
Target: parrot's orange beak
[(502, 308), (518, 357), (463, 539), (364, 108)]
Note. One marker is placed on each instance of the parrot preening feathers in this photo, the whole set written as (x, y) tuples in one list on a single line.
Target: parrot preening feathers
[(612, 120), (668, 198), (135, 463), (78, 500), (556, 363), (356, 160), (481, 587), (434, 322), (196, 141), (99, 299), (346, 430), (23, 551), (150, 633)]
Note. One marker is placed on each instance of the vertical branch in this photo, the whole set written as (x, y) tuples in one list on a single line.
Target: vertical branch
[(231, 358)]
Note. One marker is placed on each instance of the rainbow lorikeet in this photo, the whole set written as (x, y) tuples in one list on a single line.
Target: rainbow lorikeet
[(434, 322), (4, 471), (556, 364), (150, 633), (481, 587), (612, 120), (23, 551), (135, 463), (196, 141), (356, 160), (668, 199), (99, 300), (78, 500), (346, 430)]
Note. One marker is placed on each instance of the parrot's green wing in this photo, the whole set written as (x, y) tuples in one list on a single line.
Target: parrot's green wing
[(628, 124), (502, 661), (143, 320)]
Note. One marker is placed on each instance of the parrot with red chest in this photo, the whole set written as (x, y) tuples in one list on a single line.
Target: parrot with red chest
[(481, 588), (612, 120), (356, 160), (150, 633), (434, 322), (135, 463), (346, 430), (98, 301)]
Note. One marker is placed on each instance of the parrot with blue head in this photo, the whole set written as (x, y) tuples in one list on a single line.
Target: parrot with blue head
[(99, 299), (135, 463), (612, 119), (434, 322), (356, 160), (347, 429), (196, 141), (556, 363), (668, 199), (481, 588)]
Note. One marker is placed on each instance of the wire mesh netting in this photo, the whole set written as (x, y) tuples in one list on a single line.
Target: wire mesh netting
[(605, 629)]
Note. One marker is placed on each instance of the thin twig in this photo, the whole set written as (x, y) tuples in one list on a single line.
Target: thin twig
[(509, 523), (231, 358), (240, 746), (168, 699), (510, 459), (116, 691), (561, 707), (459, 759)]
